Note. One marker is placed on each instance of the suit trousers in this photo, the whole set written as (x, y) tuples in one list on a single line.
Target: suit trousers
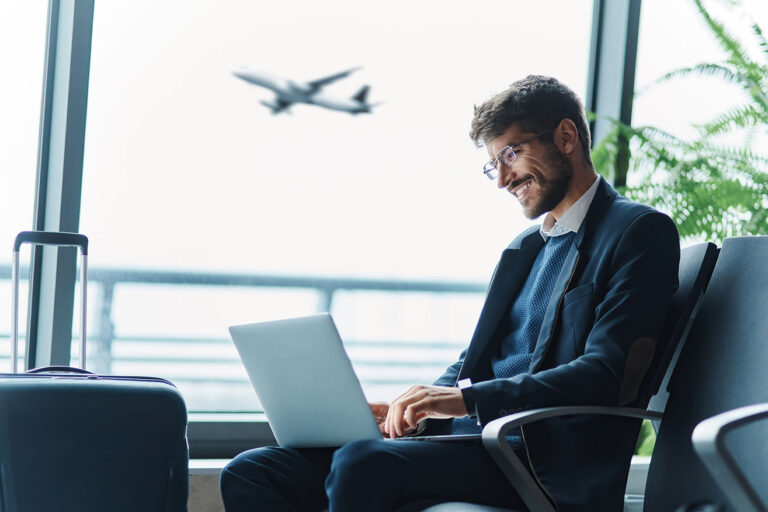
[(368, 475)]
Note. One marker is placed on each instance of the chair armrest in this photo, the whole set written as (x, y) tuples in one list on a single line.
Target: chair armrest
[(709, 442), (510, 464)]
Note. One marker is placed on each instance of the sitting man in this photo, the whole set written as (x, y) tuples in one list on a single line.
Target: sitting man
[(572, 317)]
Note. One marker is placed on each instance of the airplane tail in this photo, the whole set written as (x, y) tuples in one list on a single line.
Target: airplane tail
[(362, 94)]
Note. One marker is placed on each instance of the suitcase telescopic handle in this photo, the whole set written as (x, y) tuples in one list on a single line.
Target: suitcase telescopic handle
[(59, 239), (51, 238), (59, 369)]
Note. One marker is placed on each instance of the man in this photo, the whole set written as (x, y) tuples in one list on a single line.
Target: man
[(571, 317)]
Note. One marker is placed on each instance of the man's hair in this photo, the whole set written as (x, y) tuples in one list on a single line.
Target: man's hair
[(538, 103)]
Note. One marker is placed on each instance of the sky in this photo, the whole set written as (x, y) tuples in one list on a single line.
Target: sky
[(219, 183)]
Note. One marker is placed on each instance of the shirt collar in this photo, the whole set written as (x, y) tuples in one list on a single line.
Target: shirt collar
[(571, 219)]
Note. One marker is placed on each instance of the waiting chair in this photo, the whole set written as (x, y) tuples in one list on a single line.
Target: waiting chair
[(710, 442), (696, 267), (722, 367)]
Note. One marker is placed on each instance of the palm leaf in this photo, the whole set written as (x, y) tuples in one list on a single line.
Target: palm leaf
[(751, 72), (744, 116), (727, 42), (705, 69), (761, 40)]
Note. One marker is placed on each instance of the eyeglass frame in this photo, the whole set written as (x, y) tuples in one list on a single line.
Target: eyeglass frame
[(491, 166)]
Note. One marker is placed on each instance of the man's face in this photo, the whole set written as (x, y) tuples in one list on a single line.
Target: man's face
[(540, 175)]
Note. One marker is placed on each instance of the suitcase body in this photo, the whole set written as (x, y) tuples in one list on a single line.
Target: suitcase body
[(74, 441)]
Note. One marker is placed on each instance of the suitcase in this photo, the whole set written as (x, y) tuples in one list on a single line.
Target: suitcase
[(71, 440)]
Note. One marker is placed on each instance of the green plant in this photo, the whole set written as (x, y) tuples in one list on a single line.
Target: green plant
[(712, 190), (646, 441)]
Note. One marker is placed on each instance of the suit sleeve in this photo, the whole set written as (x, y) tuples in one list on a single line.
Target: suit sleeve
[(641, 281), (451, 373)]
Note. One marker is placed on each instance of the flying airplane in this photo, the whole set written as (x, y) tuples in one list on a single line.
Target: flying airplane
[(289, 92)]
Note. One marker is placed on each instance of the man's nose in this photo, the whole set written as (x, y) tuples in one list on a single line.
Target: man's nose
[(506, 175)]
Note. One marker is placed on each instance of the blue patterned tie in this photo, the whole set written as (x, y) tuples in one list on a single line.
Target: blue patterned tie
[(519, 329), (523, 323)]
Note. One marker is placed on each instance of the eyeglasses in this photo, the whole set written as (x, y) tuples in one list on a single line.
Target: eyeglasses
[(506, 156)]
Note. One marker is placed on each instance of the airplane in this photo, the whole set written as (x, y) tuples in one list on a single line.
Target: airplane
[(289, 92)]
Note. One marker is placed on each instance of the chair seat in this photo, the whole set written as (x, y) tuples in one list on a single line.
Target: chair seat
[(465, 507), (453, 507)]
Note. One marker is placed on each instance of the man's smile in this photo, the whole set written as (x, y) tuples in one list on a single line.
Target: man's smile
[(519, 187)]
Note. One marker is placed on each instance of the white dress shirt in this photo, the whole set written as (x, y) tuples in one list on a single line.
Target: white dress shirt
[(571, 219)]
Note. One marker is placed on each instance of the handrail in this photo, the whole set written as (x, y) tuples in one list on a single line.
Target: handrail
[(388, 371)]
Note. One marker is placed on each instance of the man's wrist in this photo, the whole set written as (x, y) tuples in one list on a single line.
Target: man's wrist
[(468, 395)]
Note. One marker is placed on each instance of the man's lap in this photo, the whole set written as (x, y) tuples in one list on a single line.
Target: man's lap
[(397, 472)]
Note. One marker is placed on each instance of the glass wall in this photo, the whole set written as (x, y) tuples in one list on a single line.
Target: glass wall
[(673, 35), (22, 52), (704, 176), (205, 209)]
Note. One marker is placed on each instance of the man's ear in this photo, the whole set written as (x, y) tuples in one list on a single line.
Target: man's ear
[(566, 136)]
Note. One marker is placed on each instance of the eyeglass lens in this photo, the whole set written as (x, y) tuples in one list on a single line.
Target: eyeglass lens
[(506, 156)]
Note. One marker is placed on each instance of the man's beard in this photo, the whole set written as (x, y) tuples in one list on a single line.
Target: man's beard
[(553, 189)]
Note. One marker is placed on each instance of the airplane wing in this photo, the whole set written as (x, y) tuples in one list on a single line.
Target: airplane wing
[(315, 85)]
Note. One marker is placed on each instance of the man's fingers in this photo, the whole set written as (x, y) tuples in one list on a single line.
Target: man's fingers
[(395, 419), (416, 412), (380, 411), (392, 418), (420, 402), (389, 424), (401, 406), (407, 392)]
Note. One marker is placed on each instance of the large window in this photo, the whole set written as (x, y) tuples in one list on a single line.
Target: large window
[(22, 48), (206, 210), (706, 183)]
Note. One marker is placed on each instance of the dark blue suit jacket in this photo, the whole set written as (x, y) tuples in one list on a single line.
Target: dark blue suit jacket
[(596, 345)]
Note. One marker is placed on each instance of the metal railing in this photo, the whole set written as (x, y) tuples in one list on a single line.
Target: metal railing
[(207, 368)]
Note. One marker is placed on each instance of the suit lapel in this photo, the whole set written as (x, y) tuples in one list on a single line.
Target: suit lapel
[(603, 197), (513, 269), (550, 315)]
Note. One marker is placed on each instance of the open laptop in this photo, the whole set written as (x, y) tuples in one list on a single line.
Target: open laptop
[(306, 384)]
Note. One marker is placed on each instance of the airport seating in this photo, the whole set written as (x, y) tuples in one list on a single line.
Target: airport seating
[(720, 368), (710, 442), (696, 267)]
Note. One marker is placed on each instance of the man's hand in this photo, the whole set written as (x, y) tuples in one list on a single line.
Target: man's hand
[(380, 410), (421, 402)]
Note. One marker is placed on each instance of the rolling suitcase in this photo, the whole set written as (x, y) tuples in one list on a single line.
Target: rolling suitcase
[(71, 440)]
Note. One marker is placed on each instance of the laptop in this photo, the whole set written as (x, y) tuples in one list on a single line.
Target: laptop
[(306, 384)]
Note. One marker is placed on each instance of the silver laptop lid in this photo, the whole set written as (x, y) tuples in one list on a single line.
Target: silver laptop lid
[(305, 381)]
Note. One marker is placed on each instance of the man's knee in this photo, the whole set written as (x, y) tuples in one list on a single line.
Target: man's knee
[(278, 479), (360, 463), (254, 478), (248, 470)]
